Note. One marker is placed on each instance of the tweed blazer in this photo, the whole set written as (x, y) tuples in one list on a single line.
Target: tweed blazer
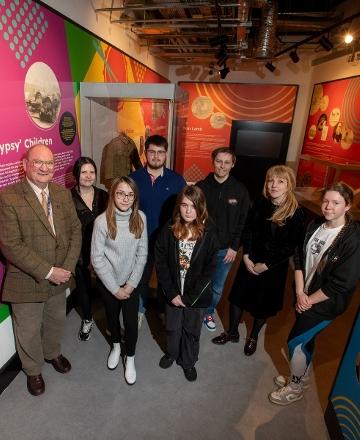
[(29, 245)]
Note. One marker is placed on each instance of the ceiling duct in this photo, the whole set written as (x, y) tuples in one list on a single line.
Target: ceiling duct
[(267, 31)]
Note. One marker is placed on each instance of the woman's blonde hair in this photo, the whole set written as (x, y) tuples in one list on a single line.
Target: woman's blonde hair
[(289, 204), (136, 224), (197, 226)]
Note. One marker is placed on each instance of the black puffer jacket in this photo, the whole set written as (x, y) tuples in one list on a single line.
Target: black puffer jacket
[(339, 273), (197, 287)]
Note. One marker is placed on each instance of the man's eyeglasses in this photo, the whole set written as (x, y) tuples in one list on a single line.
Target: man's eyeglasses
[(156, 153), (124, 195), (39, 163)]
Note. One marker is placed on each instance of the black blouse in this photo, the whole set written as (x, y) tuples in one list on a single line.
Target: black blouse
[(87, 218)]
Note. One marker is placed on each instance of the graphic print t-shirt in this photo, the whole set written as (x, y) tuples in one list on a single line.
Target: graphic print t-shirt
[(186, 248), (319, 242)]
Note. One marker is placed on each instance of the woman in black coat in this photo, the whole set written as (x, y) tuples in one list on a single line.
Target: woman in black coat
[(185, 259), (89, 201), (273, 229)]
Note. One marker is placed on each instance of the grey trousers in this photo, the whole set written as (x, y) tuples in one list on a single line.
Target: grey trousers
[(38, 329), (183, 328)]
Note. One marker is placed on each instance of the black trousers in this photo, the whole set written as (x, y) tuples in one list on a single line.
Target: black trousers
[(183, 329), (83, 290), (129, 308)]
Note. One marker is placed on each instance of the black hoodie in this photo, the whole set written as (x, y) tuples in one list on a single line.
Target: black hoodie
[(228, 204), (339, 275)]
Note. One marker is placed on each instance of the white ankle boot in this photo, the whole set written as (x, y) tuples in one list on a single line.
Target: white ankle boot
[(114, 356), (130, 372)]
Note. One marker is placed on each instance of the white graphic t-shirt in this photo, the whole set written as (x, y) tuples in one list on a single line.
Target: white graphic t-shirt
[(319, 242), (186, 248)]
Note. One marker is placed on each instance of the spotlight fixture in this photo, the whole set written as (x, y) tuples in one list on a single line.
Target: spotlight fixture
[(223, 72), (270, 66), (294, 56), (211, 69), (326, 43), (348, 38)]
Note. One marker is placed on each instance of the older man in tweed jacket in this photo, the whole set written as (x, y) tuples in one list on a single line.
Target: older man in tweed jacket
[(40, 236)]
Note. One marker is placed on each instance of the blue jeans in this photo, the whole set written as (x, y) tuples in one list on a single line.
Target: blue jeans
[(218, 281)]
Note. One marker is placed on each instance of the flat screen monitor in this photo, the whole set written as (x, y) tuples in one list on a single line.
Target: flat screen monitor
[(258, 146), (260, 139)]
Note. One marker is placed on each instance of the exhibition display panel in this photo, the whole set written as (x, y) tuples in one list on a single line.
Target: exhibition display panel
[(117, 118)]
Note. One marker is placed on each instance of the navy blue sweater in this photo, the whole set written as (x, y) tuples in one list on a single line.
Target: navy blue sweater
[(157, 200)]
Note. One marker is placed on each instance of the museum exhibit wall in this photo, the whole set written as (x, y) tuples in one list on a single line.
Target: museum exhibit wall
[(304, 75), (44, 57)]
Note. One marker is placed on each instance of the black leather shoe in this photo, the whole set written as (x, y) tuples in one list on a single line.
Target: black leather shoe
[(224, 338), (61, 364), (190, 374), (166, 361), (35, 385), (250, 346)]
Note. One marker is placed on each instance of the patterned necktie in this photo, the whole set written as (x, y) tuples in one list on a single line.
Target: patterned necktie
[(44, 203)]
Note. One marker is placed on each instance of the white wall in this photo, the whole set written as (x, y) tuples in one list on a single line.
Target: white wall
[(82, 12)]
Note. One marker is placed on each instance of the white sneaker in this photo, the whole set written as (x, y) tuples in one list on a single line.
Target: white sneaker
[(286, 395), (85, 329), (130, 372), (282, 381), (141, 317), (114, 356)]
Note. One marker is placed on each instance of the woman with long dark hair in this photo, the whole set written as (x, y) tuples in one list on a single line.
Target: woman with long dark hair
[(89, 201), (185, 259), (118, 255), (273, 229), (327, 269)]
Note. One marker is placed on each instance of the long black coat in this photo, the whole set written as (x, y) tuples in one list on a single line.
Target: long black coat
[(265, 242), (197, 287)]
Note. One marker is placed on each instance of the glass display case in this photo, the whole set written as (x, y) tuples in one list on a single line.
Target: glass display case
[(118, 117)]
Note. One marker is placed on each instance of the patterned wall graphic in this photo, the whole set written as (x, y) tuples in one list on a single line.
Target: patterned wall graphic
[(43, 60), (212, 107), (332, 137), (345, 396)]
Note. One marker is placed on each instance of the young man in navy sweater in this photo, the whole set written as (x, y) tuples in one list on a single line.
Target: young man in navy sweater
[(158, 188)]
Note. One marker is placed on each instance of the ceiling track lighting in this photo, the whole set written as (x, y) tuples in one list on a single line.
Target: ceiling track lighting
[(294, 56), (221, 62), (325, 43), (270, 66)]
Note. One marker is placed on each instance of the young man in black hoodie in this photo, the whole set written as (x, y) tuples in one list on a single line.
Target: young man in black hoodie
[(228, 203)]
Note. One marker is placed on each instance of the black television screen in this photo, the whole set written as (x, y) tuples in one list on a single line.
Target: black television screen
[(259, 143), (258, 146), (260, 139)]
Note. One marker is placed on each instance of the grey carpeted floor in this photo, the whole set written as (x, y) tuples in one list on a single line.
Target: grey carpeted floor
[(228, 401)]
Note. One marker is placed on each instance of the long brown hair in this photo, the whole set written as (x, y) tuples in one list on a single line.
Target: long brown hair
[(136, 224), (290, 204), (197, 226)]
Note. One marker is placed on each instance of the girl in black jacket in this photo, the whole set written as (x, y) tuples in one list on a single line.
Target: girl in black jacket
[(185, 258), (326, 275)]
